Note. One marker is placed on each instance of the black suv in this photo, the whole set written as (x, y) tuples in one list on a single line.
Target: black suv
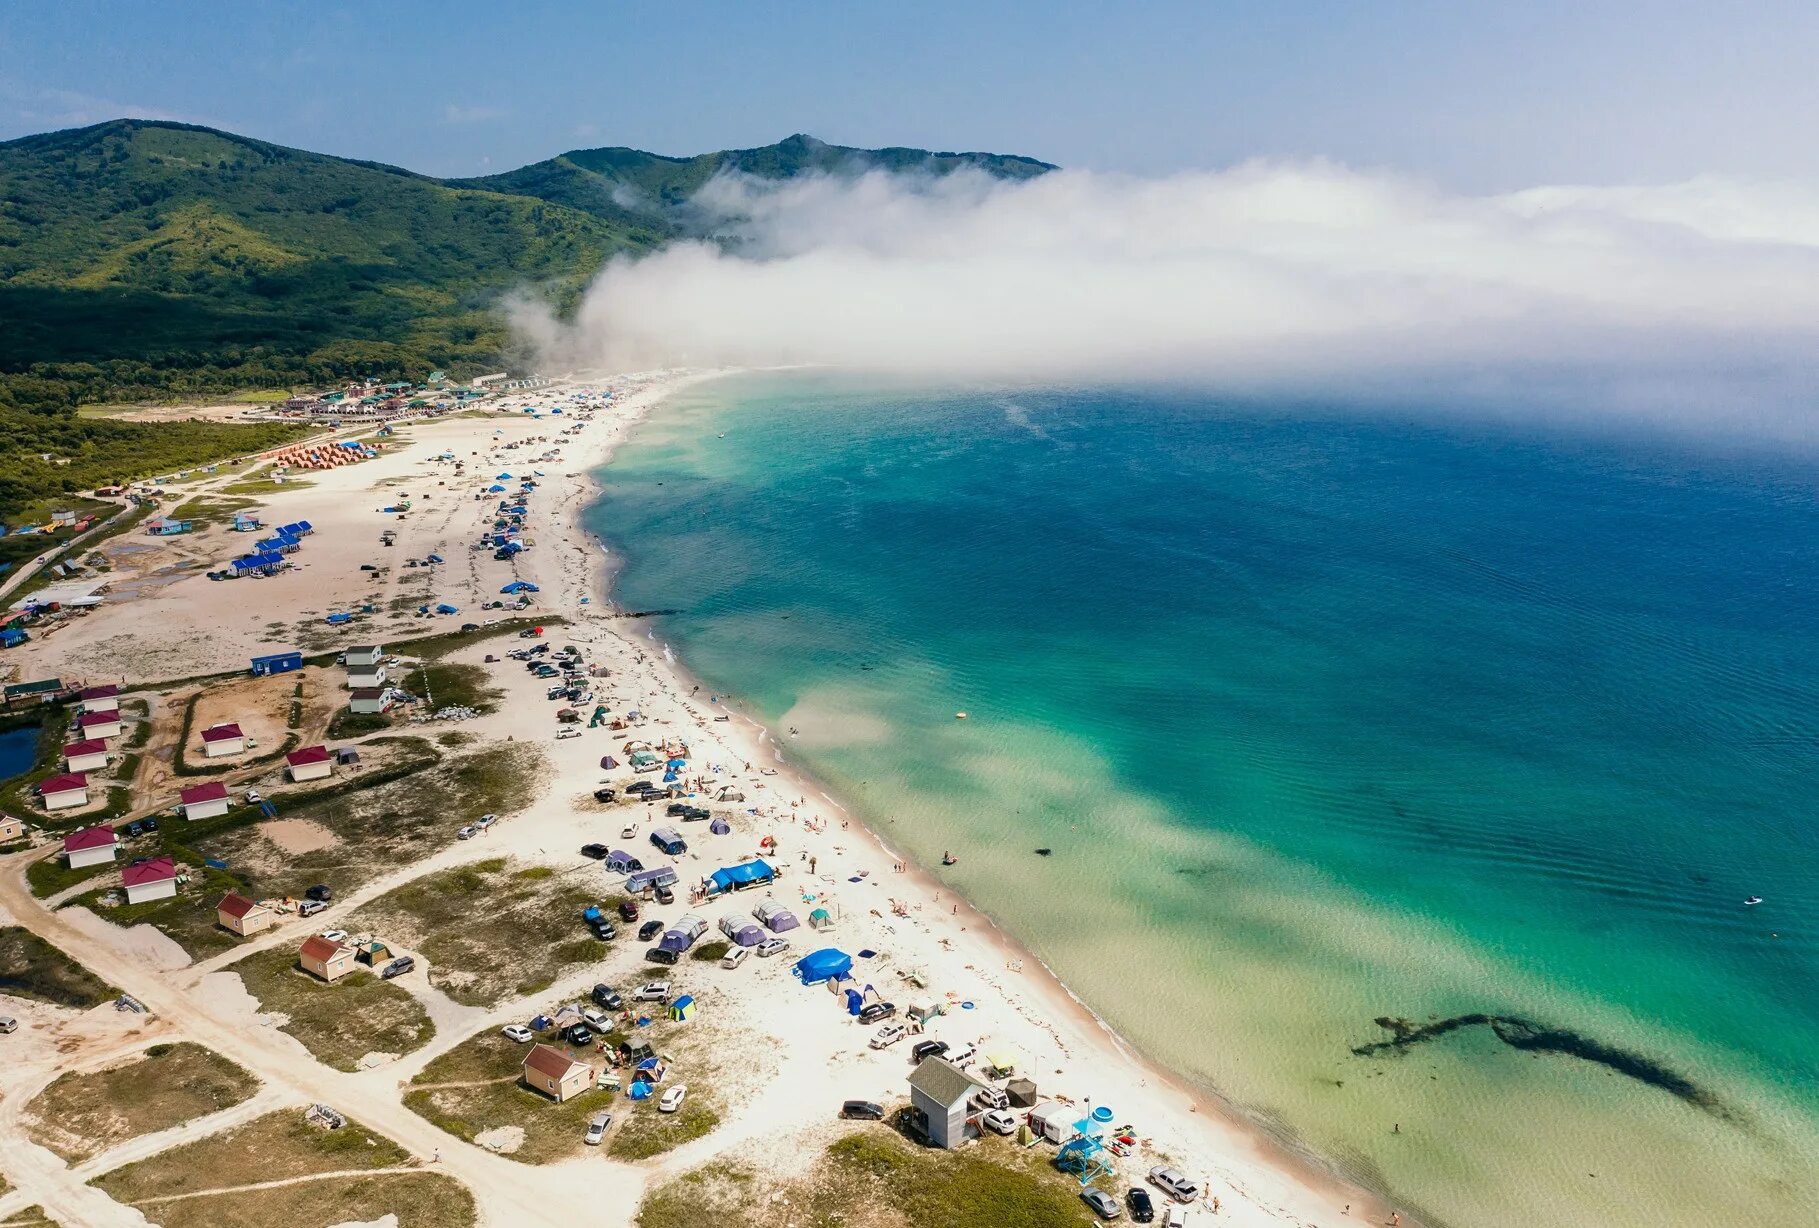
[(607, 998), (578, 1035), (1141, 1208), (597, 851), (649, 930)]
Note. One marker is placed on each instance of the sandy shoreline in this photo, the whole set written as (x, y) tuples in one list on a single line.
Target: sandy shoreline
[(806, 1055), (1231, 1136)]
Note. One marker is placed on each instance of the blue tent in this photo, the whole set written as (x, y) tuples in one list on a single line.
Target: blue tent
[(336, 620), (494, 489), (521, 586), (446, 608), (746, 874), (829, 963), (504, 477), (640, 1090), (621, 862)]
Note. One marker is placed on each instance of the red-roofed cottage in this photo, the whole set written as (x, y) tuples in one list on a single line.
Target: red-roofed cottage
[(88, 755), (242, 916), (325, 958), (555, 1073), (368, 701), (220, 740), (64, 792), (310, 763), (101, 699), (90, 846), (207, 801), (154, 878), (98, 724)]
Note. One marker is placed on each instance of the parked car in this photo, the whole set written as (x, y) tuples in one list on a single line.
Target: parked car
[(398, 967), (597, 1019), (1138, 1203), (8, 1024), (1174, 1183), (134, 830), (518, 1032), (485, 821), (605, 795), (676, 808), (989, 1098), (735, 957), (889, 1035), (566, 734), (1103, 1204), (608, 997), (335, 935), (862, 1110), (309, 908), (664, 894), (878, 1012), (641, 786), (320, 892), (928, 1048), (653, 991), (578, 1035), (254, 797), (672, 1099), (649, 930), (657, 955), (467, 833), (771, 946), (691, 814), (628, 910), (151, 823), (596, 1129), (597, 851), (999, 1122)]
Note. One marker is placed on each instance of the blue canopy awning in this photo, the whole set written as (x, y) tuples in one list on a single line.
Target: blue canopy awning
[(823, 965), (746, 874)]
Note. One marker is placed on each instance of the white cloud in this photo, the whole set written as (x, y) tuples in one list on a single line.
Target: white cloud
[(1298, 277)]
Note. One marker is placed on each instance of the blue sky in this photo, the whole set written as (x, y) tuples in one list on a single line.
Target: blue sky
[(1471, 96)]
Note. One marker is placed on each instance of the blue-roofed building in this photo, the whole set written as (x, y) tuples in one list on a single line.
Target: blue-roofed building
[(277, 663)]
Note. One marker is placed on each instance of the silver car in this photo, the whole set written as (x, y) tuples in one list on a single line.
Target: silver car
[(1175, 1183), (1103, 1204), (596, 1129)]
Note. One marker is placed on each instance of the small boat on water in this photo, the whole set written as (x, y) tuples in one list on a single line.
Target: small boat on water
[(1754, 899)]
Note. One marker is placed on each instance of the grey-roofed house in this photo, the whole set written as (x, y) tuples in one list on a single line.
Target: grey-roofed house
[(938, 1095)]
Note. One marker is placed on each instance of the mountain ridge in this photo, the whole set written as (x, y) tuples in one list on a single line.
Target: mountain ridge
[(141, 258)]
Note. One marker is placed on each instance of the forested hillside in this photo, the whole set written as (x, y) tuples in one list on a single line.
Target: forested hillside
[(149, 260)]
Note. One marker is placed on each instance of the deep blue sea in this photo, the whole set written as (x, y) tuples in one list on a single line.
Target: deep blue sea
[(1328, 714)]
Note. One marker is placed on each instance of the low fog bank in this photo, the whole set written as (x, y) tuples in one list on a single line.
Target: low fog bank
[(1695, 301)]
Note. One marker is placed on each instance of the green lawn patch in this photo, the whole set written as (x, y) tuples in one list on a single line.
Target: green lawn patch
[(275, 1147), (32, 968), (81, 1115), (465, 686), (494, 929), (341, 1022), (476, 1087)]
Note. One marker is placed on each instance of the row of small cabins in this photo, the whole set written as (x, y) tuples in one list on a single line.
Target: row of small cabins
[(99, 719)]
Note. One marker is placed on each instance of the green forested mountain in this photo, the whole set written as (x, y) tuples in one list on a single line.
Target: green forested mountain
[(629, 185), (143, 259)]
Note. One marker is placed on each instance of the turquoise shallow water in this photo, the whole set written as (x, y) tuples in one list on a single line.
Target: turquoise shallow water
[(1326, 716)]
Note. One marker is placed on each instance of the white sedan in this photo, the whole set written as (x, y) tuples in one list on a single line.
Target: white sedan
[(518, 1032), (672, 1099)]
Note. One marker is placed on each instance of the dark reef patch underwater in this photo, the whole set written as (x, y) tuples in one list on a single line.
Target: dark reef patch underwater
[(1525, 1034)]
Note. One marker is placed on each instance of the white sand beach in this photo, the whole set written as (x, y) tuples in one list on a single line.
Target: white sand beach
[(806, 1055)]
